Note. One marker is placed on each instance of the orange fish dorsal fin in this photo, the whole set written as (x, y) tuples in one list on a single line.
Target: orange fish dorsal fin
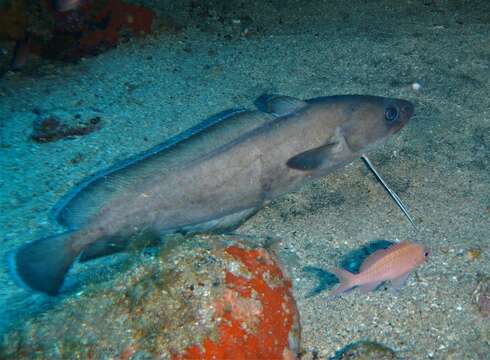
[(379, 254)]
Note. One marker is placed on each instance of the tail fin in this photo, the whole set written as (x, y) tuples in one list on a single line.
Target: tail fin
[(42, 265), (346, 281)]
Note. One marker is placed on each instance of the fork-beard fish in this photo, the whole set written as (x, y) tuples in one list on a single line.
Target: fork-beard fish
[(210, 178)]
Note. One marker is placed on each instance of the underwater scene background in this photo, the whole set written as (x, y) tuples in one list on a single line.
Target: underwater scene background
[(94, 89)]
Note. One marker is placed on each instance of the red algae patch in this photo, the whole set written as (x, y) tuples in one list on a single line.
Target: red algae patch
[(96, 27)]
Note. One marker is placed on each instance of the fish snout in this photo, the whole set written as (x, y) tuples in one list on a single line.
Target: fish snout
[(407, 109)]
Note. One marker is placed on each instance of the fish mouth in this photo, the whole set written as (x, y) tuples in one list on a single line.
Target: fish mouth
[(407, 109), (397, 127)]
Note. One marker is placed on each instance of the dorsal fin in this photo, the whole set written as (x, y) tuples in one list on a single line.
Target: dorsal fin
[(398, 245), (279, 105), (84, 201)]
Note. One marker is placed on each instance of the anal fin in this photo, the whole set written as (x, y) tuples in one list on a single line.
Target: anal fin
[(103, 247), (118, 243), (224, 224), (366, 288)]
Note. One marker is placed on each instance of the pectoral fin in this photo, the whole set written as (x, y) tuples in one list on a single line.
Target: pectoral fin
[(311, 159), (333, 152), (398, 283), (367, 288)]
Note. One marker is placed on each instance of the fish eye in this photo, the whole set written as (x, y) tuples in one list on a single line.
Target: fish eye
[(391, 113), (426, 253)]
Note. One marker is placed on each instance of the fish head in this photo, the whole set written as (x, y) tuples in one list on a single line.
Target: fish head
[(370, 120), (420, 253), (360, 123)]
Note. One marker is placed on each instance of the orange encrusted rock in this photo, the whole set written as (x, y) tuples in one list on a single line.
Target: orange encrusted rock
[(256, 315)]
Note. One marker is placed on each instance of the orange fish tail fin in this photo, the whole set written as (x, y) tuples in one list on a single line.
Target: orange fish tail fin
[(346, 281)]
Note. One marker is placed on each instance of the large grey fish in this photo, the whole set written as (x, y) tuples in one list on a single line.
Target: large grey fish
[(210, 178)]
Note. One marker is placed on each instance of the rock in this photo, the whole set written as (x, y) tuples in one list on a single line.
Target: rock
[(366, 350), (214, 297), (481, 295), (13, 19), (56, 125), (473, 254)]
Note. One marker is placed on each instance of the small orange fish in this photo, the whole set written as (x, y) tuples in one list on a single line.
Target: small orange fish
[(394, 264)]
